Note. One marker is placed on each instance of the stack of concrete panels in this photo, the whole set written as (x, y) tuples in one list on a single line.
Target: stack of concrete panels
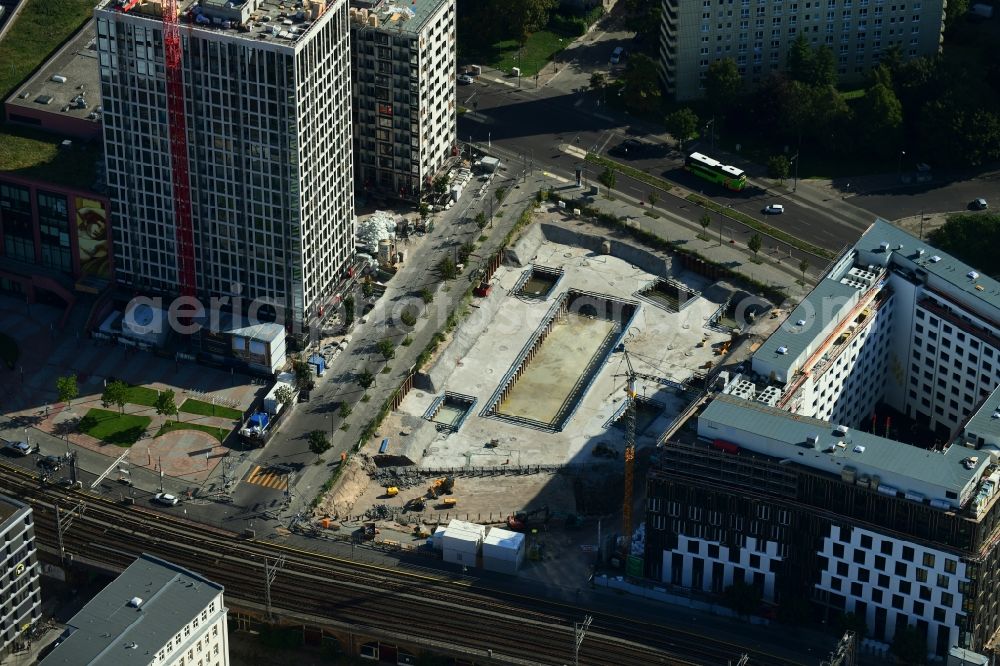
[(503, 551), (461, 542)]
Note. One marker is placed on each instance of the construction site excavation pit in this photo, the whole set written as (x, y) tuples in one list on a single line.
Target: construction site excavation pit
[(670, 295), (558, 363), (450, 410), (538, 282)]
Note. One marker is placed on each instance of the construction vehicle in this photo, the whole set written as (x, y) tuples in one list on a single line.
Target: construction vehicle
[(523, 521), (442, 486), (448, 503), (415, 504), (722, 347), (391, 491)]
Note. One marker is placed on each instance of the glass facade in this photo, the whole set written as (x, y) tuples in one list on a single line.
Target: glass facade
[(15, 223), (53, 218)]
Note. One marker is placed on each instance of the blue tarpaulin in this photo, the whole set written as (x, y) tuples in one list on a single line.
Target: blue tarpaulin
[(320, 364), (385, 446)]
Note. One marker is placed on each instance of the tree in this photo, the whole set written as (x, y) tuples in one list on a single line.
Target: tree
[(742, 598), (465, 251), (598, 80), (67, 389), (972, 237), (165, 404), (641, 91), (345, 410), (852, 622), (367, 288), (803, 267), (778, 167), (910, 646), (447, 269), (955, 10), (682, 124), (318, 442), (426, 295), (883, 114), (652, 198), (408, 318), (303, 373), (348, 310), (705, 221), (285, 395), (441, 184), (723, 84), (424, 209), (608, 178), (799, 61), (481, 220), (365, 379), (755, 243), (523, 17), (386, 347), (499, 192), (824, 67), (115, 393)]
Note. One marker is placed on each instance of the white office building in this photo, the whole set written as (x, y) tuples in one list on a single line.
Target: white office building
[(893, 321), (757, 34), (20, 591), (268, 112), (153, 614), (403, 70)]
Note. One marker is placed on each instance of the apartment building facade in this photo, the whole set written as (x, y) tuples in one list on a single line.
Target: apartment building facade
[(268, 114), (154, 614), (20, 590), (757, 35), (403, 70)]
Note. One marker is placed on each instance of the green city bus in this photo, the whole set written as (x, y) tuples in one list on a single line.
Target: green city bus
[(713, 170)]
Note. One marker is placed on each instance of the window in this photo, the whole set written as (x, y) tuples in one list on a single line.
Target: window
[(951, 566), (886, 548), (947, 599), (902, 569)]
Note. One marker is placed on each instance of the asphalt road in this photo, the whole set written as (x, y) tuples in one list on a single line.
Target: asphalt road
[(934, 197)]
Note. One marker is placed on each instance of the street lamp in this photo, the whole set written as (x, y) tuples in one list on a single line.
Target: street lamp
[(795, 182), (899, 168)]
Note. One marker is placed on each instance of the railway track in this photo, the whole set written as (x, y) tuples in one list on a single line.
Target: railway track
[(512, 628)]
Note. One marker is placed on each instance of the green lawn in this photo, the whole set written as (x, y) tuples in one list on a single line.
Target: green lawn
[(9, 351), (201, 408), (141, 395), (114, 428), (40, 28), (170, 426), (502, 55)]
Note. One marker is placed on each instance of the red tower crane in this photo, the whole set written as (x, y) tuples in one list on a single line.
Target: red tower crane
[(177, 124)]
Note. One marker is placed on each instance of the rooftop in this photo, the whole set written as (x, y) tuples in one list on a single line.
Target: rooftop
[(8, 507), (407, 16), (982, 292), (67, 83), (984, 424), (111, 630), (271, 21), (818, 445)]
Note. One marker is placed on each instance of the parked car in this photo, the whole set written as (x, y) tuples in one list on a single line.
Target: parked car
[(979, 204), (17, 448), (631, 148), (465, 79), (50, 463), (774, 209), (165, 498), (617, 55)]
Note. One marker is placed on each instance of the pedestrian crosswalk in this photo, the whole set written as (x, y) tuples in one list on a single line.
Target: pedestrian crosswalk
[(268, 477)]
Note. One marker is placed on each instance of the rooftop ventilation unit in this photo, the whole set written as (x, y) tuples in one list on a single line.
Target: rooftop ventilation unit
[(920, 252), (812, 440), (972, 275), (135, 602), (935, 259), (800, 322), (884, 245), (841, 430), (782, 350), (859, 449)]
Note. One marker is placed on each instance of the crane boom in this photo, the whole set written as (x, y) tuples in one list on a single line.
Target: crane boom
[(177, 125), (630, 392)]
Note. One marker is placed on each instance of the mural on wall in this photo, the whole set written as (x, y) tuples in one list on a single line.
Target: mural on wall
[(92, 234)]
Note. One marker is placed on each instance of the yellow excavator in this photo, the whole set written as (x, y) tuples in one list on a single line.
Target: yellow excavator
[(442, 486)]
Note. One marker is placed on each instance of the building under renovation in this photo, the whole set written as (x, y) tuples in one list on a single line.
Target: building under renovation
[(227, 140), (403, 70), (791, 480)]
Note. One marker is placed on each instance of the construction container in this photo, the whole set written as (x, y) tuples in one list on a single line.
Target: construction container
[(503, 551), (449, 502), (461, 542)]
